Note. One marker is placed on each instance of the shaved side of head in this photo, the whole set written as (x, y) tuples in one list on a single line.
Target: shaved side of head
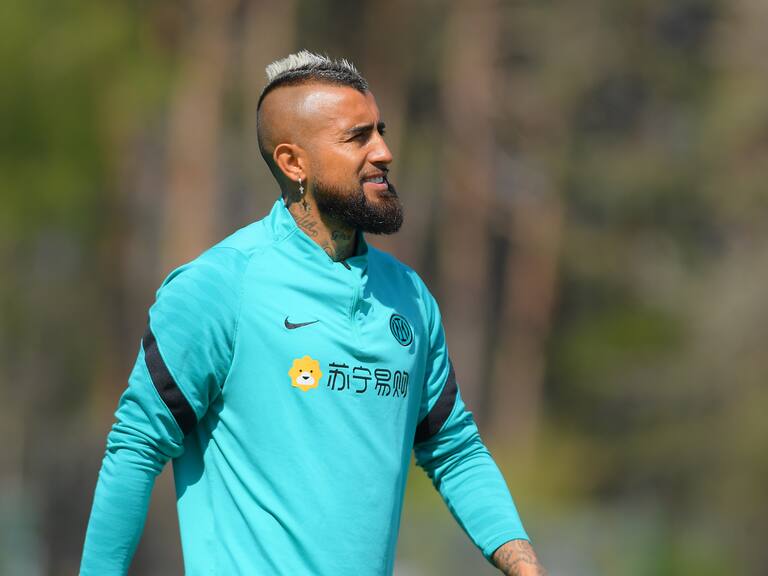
[(282, 119), (293, 115), (288, 107)]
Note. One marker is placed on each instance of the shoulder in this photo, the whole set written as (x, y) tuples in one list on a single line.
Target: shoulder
[(215, 268), (223, 264), (391, 267), (250, 239), (396, 271)]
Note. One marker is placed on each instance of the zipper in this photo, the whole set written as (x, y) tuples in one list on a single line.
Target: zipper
[(355, 307)]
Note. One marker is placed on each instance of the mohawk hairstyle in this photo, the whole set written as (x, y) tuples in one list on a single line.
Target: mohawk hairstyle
[(306, 66)]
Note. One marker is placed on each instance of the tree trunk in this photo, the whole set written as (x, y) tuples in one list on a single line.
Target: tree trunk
[(193, 190), (467, 97), (270, 34), (533, 231)]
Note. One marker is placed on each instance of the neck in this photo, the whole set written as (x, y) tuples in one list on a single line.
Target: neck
[(338, 241)]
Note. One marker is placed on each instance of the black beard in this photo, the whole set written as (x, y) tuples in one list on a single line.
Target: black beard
[(351, 208)]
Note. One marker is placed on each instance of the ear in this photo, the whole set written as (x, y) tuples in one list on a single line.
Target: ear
[(291, 160)]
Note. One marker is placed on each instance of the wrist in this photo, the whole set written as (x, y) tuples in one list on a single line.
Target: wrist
[(517, 558)]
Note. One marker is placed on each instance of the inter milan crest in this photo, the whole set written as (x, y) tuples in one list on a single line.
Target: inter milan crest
[(401, 330)]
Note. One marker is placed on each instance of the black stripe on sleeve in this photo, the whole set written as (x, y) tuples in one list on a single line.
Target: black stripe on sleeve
[(166, 386), (436, 417)]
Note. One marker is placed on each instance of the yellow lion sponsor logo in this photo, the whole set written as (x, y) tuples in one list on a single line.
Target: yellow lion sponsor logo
[(305, 373)]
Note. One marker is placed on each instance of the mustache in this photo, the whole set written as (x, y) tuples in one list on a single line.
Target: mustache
[(392, 190)]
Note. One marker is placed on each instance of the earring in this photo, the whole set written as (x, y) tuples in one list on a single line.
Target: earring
[(303, 197)]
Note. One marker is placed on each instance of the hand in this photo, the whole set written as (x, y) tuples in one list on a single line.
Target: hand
[(517, 558)]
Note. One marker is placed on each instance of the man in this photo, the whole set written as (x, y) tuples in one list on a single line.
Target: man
[(290, 370)]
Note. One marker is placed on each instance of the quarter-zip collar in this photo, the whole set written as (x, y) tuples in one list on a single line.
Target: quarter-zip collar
[(285, 228)]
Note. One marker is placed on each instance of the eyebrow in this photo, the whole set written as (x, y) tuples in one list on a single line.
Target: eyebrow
[(363, 128)]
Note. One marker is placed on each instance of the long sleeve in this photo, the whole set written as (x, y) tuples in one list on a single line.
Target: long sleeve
[(449, 448), (181, 366)]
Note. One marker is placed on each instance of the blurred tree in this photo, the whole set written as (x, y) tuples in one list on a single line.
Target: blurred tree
[(526, 222), (193, 198), (467, 82), (585, 194), (269, 33)]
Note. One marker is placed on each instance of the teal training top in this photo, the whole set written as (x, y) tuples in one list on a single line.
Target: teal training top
[(289, 391)]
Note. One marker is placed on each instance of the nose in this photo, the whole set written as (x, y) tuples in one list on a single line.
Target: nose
[(380, 153)]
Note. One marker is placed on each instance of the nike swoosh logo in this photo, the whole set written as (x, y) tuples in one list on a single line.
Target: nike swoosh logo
[(292, 326)]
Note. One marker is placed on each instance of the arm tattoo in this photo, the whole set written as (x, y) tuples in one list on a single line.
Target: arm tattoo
[(516, 557)]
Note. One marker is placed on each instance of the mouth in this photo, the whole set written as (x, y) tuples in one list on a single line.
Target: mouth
[(377, 182)]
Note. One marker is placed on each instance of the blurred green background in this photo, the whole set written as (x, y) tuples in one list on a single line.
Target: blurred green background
[(585, 193)]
